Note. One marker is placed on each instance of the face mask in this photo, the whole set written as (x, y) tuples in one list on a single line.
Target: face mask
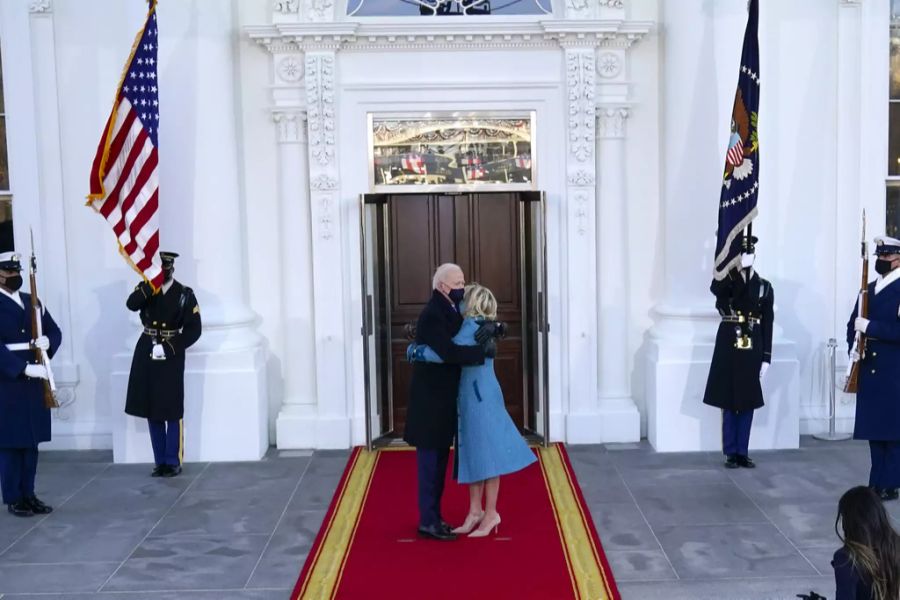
[(747, 260), (168, 273), (883, 267), (457, 295), (14, 282)]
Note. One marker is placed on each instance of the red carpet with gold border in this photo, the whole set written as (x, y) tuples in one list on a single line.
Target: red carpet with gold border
[(546, 547)]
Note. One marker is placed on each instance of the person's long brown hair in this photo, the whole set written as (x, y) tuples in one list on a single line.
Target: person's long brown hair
[(870, 540)]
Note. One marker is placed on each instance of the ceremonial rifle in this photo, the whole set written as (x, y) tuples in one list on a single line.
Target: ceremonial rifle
[(37, 331), (859, 343)]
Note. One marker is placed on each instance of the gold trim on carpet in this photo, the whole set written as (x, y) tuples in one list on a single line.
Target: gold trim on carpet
[(328, 564), (584, 561)]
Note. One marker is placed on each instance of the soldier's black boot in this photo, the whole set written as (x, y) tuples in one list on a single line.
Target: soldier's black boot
[(172, 471), (20, 509), (744, 461), (158, 471), (731, 462), (38, 507)]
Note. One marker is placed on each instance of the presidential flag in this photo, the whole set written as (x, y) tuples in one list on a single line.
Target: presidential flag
[(125, 176), (740, 182)]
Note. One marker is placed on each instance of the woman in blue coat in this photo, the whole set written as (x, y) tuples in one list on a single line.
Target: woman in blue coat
[(878, 390), (24, 420), (488, 444)]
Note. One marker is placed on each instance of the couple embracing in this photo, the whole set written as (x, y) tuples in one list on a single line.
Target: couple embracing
[(453, 376)]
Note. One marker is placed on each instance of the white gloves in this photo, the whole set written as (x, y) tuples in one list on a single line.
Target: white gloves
[(747, 260), (42, 342), (762, 369), (36, 371), (854, 356), (158, 352), (860, 324)]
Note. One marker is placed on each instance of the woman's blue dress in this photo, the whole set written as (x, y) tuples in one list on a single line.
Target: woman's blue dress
[(488, 444)]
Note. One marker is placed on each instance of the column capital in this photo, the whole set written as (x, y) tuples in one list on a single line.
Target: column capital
[(291, 124), (40, 7), (611, 121)]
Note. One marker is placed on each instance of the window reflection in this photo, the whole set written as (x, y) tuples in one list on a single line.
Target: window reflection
[(404, 8)]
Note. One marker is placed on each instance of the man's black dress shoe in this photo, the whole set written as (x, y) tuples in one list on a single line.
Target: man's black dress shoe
[(172, 471), (38, 507), (889, 494), (158, 471), (436, 532), (446, 526), (731, 462), (744, 461), (20, 509)]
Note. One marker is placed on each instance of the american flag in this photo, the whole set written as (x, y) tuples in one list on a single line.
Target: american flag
[(125, 175), (523, 161), (414, 163), (740, 182), (476, 172)]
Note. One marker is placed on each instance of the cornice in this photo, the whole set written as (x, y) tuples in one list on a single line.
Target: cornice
[(360, 36)]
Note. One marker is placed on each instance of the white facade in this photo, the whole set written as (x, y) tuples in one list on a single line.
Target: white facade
[(264, 154)]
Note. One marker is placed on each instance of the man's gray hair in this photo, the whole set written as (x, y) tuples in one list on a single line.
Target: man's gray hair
[(441, 273)]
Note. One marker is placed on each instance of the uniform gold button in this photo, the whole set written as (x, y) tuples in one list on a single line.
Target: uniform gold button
[(873, 354), (873, 371), (163, 324), (154, 322)]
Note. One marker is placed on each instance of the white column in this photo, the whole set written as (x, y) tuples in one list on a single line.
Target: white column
[(621, 420), (295, 426), (226, 405)]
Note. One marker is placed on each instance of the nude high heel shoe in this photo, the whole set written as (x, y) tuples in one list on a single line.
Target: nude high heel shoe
[(486, 528), (470, 523)]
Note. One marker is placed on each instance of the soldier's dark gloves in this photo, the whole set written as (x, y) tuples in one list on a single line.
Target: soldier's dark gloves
[(490, 348), (145, 288), (490, 330)]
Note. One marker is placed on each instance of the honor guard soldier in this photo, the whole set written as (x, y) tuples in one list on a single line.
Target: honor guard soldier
[(171, 319), (878, 391), (24, 419), (742, 353)]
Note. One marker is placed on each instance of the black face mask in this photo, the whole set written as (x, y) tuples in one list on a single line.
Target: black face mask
[(883, 267), (168, 274), (456, 295), (14, 282)]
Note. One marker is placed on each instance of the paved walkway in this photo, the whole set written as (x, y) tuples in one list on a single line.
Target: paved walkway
[(675, 527)]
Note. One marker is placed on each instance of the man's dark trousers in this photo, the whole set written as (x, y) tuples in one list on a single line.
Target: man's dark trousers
[(432, 470), (18, 467), (885, 473), (736, 431)]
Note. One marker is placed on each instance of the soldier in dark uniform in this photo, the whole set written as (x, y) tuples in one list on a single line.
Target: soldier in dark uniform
[(171, 319), (742, 353), (878, 389), (24, 420), (431, 411)]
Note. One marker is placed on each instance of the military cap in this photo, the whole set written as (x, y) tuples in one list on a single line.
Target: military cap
[(168, 259), (9, 261), (887, 245)]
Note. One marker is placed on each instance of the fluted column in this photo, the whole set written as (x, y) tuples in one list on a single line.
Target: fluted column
[(295, 424), (621, 418)]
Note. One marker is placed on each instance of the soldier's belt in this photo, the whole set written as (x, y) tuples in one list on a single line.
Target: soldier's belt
[(161, 333), (18, 347), (740, 319)]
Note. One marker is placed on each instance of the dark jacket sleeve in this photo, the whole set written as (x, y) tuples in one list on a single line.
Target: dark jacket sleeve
[(51, 330), (846, 579), (724, 291), (886, 331), (138, 298), (851, 329), (11, 366), (192, 325), (433, 331), (767, 318)]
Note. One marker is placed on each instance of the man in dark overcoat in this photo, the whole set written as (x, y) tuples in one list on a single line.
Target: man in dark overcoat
[(431, 411), (878, 385), (742, 353), (171, 320), (24, 420)]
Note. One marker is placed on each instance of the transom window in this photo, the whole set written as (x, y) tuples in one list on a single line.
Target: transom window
[(440, 8)]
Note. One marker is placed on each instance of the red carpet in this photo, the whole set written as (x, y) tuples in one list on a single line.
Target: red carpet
[(546, 547)]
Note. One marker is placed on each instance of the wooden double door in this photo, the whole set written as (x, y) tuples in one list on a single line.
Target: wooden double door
[(492, 237)]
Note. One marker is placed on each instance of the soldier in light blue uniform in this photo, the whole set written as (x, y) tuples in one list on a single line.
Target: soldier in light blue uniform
[(24, 421), (878, 391), (488, 444)]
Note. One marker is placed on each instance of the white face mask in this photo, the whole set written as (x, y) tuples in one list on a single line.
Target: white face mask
[(747, 260)]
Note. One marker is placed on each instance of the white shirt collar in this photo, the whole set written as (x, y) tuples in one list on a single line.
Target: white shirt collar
[(167, 285), (14, 296), (883, 282)]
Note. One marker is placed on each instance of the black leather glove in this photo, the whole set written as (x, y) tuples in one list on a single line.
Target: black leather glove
[(490, 348), (145, 288), (489, 330)]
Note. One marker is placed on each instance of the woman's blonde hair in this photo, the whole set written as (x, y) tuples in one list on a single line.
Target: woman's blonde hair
[(480, 302)]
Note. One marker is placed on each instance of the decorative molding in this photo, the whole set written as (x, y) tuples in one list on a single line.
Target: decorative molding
[(323, 183), (318, 10), (320, 106), (580, 83), (611, 121), (576, 8), (612, 3), (290, 69), (609, 65), (287, 6), (581, 177), (851, 3), (291, 126), (326, 220), (363, 37), (40, 6), (581, 213)]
